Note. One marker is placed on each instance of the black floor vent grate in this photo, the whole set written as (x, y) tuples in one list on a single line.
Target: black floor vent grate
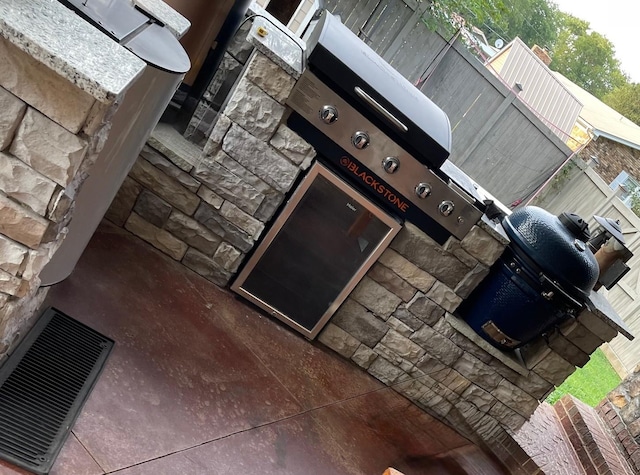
[(43, 386)]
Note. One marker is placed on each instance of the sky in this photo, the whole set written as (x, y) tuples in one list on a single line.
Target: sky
[(615, 19)]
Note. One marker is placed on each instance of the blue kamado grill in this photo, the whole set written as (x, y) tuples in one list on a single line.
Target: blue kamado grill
[(544, 276)]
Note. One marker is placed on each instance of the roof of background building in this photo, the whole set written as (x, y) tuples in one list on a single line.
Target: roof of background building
[(606, 122), (542, 92)]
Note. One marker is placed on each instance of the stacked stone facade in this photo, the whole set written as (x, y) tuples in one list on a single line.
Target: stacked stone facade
[(399, 323), (231, 66), (50, 133), (208, 210)]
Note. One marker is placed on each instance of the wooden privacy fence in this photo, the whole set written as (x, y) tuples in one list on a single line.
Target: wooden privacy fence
[(588, 195), (388, 26), (492, 129)]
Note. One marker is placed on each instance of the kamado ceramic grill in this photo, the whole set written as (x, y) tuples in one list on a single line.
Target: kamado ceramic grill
[(544, 277)]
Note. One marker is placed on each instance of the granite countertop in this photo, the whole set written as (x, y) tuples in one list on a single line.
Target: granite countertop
[(601, 307), (176, 23), (279, 44), (61, 40)]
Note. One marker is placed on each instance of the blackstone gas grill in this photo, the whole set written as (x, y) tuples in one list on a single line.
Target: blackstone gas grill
[(380, 146), (379, 132)]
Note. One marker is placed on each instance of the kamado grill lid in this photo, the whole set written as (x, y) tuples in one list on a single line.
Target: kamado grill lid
[(350, 67), (557, 245)]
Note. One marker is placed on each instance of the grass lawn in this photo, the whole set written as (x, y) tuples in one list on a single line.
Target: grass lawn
[(591, 383)]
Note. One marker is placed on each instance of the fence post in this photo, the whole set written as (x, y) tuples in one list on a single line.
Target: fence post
[(368, 10)]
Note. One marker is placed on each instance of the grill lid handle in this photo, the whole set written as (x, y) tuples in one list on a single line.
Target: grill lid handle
[(376, 106)]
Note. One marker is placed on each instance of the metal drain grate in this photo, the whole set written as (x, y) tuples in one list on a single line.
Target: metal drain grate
[(43, 386)]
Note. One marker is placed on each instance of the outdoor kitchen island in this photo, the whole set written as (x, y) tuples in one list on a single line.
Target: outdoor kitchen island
[(399, 321)]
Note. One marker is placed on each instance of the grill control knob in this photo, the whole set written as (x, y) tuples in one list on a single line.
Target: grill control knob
[(446, 207), (423, 190), (328, 114), (360, 140), (391, 164)]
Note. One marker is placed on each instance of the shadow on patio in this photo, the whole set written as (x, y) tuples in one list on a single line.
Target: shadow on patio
[(201, 383)]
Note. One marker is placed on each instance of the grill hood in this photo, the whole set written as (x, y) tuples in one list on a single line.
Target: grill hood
[(557, 248), (344, 62)]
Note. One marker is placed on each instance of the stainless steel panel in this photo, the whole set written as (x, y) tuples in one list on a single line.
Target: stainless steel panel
[(308, 98), (133, 122), (117, 18)]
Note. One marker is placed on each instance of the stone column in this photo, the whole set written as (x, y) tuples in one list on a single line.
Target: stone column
[(42, 159), (207, 209), (55, 110)]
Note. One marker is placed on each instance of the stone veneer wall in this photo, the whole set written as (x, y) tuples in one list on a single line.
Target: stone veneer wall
[(398, 324), (214, 97), (208, 212), (50, 132)]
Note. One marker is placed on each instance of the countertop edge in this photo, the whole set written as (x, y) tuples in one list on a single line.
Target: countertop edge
[(508, 359), (287, 51), (172, 19), (495, 230), (602, 308), (105, 77)]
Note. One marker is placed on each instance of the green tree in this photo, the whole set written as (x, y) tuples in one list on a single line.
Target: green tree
[(533, 21), (475, 12), (586, 57), (626, 100)]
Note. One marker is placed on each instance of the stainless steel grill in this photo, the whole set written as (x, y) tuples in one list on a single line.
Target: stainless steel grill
[(379, 132), (380, 146)]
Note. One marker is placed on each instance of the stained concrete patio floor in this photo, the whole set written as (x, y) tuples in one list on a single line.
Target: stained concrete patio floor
[(201, 383)]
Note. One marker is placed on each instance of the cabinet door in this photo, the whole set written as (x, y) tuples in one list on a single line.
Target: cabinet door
[(324, 241)]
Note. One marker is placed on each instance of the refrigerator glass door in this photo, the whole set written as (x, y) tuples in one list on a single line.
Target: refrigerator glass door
[(320, 247)]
